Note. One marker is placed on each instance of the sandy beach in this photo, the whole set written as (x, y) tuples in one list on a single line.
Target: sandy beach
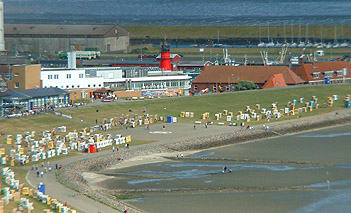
[(184, 139)]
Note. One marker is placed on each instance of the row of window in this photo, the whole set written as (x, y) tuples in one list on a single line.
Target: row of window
[(56, 76), (317, 75), (67, 86)]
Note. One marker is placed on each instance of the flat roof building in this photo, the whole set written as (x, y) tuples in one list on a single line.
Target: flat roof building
[(38, 38)]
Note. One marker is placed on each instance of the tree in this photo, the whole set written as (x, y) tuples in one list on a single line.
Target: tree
[(245, 85)]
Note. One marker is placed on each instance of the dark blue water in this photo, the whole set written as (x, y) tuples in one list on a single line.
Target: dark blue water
[(180, 12)]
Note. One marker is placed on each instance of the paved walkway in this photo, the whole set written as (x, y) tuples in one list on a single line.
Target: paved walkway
[(59, 191)]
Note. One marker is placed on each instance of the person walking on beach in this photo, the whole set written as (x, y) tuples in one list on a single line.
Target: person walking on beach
[(194, 127), (206, 125), (113, 149)]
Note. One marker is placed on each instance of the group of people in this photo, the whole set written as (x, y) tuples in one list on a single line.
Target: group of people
[(113, 148), (226, 170), (45, 169)]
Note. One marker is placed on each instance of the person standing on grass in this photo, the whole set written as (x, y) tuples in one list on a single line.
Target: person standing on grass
[(113, 149)]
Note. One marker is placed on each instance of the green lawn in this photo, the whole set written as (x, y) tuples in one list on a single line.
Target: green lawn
[(215, 103), (86, 116)]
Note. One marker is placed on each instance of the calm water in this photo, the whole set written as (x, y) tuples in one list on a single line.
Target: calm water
[(180, 12), (328, 146)]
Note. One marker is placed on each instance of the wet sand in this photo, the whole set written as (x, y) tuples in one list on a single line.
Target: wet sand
[(307, 161)]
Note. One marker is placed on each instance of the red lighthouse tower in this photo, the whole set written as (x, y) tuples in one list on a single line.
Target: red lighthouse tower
[(165, 57)]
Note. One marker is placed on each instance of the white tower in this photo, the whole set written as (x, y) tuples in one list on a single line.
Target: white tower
[(71, 56), (2, 36)]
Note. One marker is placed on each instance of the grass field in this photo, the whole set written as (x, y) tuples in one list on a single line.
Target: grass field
[(212, 103), (211, 32)]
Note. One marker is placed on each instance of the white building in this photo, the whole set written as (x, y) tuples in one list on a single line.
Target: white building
[(152, 83), (65, 78), (104, 72), (126, 79)]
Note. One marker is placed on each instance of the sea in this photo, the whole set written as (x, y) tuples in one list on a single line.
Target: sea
[(180, 12), (323, 184)]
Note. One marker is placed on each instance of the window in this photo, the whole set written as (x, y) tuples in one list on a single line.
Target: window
[(215, 88), (99, 85), (339, 73), (56, 76), (328, 74), (72, 86), (78, 86), (16, 74), (94, 85), (49, 76), (69, 76), (88, 85), (227, 88), (16, 84), (195, 87), (315, 75), (67, 86), (81, 75)]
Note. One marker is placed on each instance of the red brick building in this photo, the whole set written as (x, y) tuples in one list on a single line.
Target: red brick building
[(328, 72), (226, 77), (276, 80)]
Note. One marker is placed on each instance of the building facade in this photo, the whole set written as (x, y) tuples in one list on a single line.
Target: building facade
[(25, 77), (16, 101), (65, 78), (39, 38), (325, 73), (213, 78)]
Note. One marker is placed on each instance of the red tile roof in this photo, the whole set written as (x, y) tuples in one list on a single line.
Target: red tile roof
[(256, 74), (277, 80), (306, 70)]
